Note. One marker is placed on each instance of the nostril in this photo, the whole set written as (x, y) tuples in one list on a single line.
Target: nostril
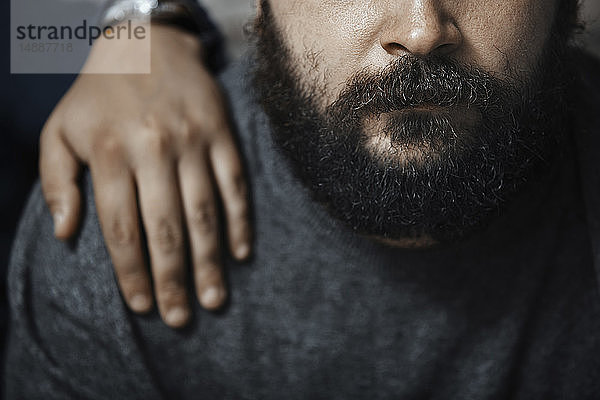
[(445, 48), (421, 32), (395, 48)]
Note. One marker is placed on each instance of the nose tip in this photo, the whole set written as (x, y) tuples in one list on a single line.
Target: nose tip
[(421, 43), (422, 31)]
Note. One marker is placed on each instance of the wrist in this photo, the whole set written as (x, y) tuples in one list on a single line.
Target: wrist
[(173, 38), (185, 15)]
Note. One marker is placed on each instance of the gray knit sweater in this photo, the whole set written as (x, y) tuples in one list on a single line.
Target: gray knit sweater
[(320, 312)]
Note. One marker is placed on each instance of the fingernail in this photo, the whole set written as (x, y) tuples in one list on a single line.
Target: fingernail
[(211, 298), (177, 316), (242, 251), (59, 219), (140, 303)]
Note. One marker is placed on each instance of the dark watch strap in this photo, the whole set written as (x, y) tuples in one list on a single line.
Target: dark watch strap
[(189, 15), (185, 14)]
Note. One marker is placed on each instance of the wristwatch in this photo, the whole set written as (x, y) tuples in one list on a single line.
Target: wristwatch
[(184, 14)]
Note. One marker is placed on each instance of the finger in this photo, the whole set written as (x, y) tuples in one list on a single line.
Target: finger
[(58, 174), (161, 213), (117, 211), (200, 211), (230, 178)]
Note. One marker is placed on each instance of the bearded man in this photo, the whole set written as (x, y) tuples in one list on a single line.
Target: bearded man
[(426, 223)]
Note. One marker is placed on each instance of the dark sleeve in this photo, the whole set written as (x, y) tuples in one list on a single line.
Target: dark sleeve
[(212, 40), (201, 24), (209, 34), (70, 334)]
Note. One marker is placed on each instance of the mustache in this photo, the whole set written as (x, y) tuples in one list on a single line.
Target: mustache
[(411, 82)]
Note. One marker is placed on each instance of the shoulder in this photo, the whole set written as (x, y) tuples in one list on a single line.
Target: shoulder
[(585, 100), (250, 123), (69, 331), (61, 271)]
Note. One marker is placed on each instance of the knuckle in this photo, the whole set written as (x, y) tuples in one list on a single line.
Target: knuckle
[(165, 236), (207, 257), (203, 217), (158, 143), (205, 249), (53, 191), (238, 186), (208, 269), (108, 145), (120, 234), (238, 211), (187, 135), (171, 290), (131, 277)]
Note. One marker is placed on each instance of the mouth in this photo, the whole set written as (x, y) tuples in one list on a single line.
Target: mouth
[(460, 115), (454, 111), (381, 138), (428, 108)]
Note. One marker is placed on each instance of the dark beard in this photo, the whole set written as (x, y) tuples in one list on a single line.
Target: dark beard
[(460, 174)]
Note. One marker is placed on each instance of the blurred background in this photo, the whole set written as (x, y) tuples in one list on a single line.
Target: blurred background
[(27, 100)]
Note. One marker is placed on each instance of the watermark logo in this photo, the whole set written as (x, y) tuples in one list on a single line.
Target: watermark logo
[(58, 36), (32, 33)]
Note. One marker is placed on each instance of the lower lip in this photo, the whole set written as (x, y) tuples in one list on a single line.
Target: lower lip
[(427, 107)]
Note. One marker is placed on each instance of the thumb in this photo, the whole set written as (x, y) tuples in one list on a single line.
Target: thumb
[(59, 170)]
